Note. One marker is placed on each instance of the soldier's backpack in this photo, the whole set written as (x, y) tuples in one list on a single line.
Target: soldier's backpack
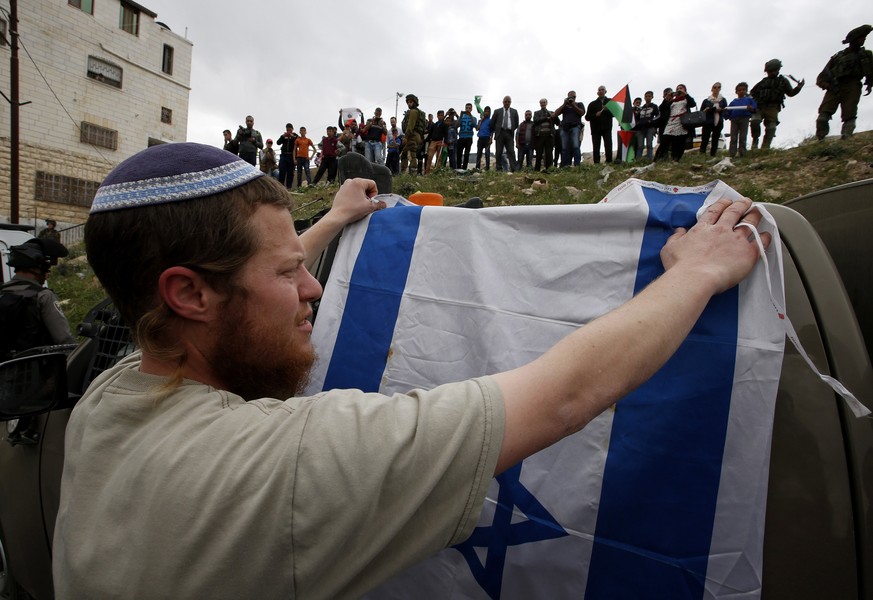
[(21, 326), (421, 123), (769, 90)]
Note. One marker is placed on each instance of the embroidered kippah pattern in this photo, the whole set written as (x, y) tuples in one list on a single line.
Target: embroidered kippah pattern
[(185, 186)]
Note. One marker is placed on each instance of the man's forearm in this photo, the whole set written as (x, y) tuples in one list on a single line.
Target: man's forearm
[(318, 237), (586, 372), (600, 363)]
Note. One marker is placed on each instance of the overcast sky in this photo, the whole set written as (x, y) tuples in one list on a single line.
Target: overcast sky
[(302, 61)]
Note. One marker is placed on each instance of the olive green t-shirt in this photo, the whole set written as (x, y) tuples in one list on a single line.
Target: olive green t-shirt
[(200, 494)]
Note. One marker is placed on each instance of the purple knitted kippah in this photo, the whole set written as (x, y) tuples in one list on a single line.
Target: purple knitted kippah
[(171, 173)]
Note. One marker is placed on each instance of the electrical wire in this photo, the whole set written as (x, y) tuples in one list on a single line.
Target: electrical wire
[(48, 85)]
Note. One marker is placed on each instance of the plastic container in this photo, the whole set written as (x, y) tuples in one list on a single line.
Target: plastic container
[(426, 199)]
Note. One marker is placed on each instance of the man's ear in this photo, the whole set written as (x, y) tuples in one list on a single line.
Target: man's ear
[(188, 295)]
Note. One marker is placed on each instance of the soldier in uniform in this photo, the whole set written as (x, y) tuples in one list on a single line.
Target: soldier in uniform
[(769, 94), (32, 262), (841, 80), (51, 232), (413, 126)]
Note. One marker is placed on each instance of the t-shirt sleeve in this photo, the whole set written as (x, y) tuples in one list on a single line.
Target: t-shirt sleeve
[(383, 482)]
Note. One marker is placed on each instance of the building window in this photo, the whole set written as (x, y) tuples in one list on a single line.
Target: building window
[(166, 115), (98, 136), (3, 40), (83, 5), (52, 187), (167, 60), (129, 19), (104, 71)]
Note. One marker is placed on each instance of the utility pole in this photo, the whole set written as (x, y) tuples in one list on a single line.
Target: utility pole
[(396, 103), (14, 113), (14, 156)]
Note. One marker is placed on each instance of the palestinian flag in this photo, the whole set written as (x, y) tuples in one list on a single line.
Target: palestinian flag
[(621, 108)]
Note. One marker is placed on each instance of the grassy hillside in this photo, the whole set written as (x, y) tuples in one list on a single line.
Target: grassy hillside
[(768, 176)]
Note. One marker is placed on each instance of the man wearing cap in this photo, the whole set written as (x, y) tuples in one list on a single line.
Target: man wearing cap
[(841, 80), (32, 262), (193, 469), (249, 140), (769, 94), (268, 162)]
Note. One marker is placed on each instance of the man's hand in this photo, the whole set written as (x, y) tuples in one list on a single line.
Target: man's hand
[(586, 372), (352, 203), (721, 253)]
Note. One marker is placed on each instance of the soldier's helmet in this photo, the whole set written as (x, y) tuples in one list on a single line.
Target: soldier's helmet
[(36, 253), (858, 34), (774, 64), (414, 99)]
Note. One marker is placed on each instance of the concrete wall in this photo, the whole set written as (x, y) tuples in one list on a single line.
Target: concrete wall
[(60, 38)]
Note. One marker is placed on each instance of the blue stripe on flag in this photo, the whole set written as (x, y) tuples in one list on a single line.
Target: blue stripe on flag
[(660, 482), (375, 290)]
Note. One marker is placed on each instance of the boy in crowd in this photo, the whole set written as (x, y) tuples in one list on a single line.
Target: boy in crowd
[(304, 149), (739, 112)]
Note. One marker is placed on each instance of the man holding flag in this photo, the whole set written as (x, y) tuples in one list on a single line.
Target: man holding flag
[(600, 117), (198, 453)]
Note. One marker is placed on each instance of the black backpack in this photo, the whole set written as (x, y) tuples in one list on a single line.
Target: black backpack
[(21, 325)]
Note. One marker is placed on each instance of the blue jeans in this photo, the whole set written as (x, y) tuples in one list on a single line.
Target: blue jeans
[(570, 146), (303, 167), (525, 154), (483, 143), (374, 152), (645, 139)]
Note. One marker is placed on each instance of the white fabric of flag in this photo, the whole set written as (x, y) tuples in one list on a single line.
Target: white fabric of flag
[(663, 495)]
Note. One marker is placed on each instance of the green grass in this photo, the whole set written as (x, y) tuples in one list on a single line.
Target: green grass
[(773, 175)]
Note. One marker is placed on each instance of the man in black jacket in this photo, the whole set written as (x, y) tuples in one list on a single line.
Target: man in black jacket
[(601, 125), (286, 155)]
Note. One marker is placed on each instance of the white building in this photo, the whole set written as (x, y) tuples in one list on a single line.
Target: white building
[(104, 79)]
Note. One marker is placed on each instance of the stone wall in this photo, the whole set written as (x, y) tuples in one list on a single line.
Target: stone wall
[(57, 40), (43, 158)]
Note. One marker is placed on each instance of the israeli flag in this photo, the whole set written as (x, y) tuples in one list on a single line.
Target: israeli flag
[(663, 495)]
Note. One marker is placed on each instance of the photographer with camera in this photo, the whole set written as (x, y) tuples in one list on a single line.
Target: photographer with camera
[(571, 113), (250, 141)]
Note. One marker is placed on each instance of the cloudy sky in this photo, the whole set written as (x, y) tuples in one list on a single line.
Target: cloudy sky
[(302, 61)]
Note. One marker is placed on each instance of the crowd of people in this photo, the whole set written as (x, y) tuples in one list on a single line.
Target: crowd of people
[(542, 138), (207, 420)]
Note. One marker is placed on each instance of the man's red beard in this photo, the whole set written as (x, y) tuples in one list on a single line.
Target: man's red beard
[(266, 360)]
